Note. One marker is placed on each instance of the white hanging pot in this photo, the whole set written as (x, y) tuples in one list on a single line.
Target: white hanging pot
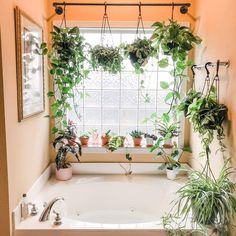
[(64, 174), (149, 142), (171, 174)]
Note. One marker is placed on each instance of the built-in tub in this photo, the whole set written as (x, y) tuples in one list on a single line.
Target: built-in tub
[(105, 204)]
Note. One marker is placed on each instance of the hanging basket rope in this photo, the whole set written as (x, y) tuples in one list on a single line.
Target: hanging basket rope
[(105, 25), (64, 16), (140, 21)]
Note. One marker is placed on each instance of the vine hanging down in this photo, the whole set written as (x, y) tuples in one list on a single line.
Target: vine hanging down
[(67, 69)]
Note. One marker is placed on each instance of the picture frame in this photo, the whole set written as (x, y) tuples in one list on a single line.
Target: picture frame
[(29, 66)]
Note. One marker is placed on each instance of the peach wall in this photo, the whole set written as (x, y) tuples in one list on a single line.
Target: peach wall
[(27, 142), (216, 25)]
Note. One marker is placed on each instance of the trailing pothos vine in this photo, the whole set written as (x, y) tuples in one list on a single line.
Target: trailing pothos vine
[(67, 69), (175, 42)]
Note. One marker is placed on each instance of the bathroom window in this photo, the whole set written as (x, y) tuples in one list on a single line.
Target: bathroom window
[(121, 102)]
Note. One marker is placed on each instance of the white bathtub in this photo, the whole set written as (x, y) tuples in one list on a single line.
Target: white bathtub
[(102, 205)]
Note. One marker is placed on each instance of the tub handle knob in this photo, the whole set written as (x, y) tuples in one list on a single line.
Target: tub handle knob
[(34, 210), (57, 218)]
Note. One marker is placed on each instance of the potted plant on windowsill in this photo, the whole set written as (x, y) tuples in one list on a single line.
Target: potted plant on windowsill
[(106, 137), (63, 167), (115, 142), (84, 138), (167, 129), (137, 137), (150, 138)]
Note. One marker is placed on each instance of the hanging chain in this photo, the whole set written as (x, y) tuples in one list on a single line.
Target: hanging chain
[(64, 16), (172, 11), (105, 24), (140, 20)]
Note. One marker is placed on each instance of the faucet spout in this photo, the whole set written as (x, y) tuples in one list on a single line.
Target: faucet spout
[(46, 212)]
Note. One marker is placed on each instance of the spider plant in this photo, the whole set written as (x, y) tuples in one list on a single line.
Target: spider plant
[(208, 201)]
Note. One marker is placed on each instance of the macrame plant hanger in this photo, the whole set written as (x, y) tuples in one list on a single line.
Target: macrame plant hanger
[(105, 25), (64, 16), (172, 11), (140, 21)]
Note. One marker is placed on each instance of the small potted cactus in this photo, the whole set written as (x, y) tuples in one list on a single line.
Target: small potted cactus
[(137, 137), (106, 137), (84, 139)]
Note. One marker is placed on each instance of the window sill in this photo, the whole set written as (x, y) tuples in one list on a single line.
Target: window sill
[(121, 150)]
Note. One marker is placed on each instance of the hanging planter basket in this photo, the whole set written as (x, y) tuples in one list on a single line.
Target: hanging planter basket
[(107, 58), (138, 52)]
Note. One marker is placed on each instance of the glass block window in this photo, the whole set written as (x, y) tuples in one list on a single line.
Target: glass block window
[(119, 102)]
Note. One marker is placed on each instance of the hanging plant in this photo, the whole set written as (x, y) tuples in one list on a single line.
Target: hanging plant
[(175, 42), (209, 202), (138, 52), (66, 62), (207, 116), (107, 58)]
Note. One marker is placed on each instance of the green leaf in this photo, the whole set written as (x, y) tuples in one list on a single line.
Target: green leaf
[(50, 94), (163, 63), (164, 85), (169, 96), (54, 130), (165, 117)]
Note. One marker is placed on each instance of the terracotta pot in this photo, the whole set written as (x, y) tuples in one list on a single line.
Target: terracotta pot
[(105, 140), (149, 142), (137, 142), (168, 144), (171, 174), (64, 173), (84, 141)]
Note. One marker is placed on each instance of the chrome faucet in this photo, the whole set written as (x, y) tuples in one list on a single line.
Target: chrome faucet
[(46, 212)]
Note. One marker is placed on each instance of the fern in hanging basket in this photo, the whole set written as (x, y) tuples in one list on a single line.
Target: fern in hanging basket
[(138, 52), (107, 58)]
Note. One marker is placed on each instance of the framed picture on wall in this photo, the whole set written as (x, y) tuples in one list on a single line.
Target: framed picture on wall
[(30, 74)]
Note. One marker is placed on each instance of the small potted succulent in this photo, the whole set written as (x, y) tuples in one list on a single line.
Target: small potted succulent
[(138, 52), (63, 147), (106, 137), (137, 137), (84, 138), (115, 142), (150, 138), (107, 58)]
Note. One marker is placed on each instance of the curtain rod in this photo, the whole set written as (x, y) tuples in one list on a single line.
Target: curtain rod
[(222, 63), (55, 4)]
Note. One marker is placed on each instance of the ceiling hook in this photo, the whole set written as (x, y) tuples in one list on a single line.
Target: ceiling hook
[(140, 10), (172, 12), (105, 12)]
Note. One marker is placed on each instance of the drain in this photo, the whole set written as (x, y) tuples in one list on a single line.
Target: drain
[(132, 209)]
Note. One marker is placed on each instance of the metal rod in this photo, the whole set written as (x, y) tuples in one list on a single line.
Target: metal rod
[(213, 64), (55, 4)]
